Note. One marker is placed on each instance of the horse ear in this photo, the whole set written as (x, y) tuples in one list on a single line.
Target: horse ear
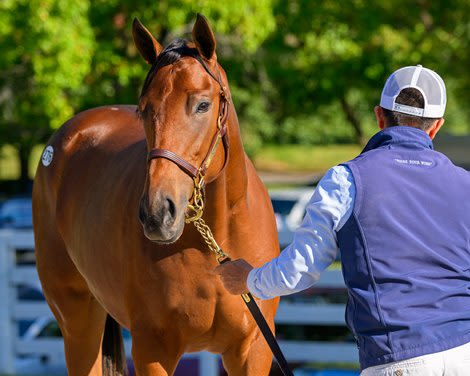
[(147, 45), (203, 37)]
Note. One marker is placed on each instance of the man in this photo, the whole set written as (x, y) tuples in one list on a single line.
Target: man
[(400, 215)]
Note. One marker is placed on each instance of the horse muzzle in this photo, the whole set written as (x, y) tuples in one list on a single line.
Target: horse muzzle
[(161, 219)]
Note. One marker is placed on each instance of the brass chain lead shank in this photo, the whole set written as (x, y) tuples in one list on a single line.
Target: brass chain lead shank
[(206, 234), (194, 215)]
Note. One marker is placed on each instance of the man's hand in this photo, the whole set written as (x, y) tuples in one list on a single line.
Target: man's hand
[(233, 275)]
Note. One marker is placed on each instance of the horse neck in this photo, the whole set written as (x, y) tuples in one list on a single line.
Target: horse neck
[(231, 185)]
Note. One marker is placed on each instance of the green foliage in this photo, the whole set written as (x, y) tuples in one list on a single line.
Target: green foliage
[(60, 57), (301, 71), (47, 47), (118, 70), (256, 123), (333, 55), (324, 127)]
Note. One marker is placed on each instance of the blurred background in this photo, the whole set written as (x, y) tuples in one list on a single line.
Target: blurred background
[(304, 75)]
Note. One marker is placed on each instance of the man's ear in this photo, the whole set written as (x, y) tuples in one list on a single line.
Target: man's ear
[(435, 128), (203, 37), (380, 117), (147, 45)]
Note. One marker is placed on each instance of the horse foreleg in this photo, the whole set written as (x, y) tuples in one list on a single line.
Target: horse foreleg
[(153, 357), (81, 319), (252, 359), (83, 331)]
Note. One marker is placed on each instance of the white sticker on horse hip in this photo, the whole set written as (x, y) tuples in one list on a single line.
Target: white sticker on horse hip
[(47, 156)]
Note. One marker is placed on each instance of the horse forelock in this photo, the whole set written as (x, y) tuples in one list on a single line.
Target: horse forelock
[(173, 52)]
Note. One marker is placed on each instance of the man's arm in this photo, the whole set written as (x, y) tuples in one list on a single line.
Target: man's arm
[(313, 249)]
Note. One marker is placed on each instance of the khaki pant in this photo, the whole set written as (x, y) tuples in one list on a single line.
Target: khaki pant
[(453, 362)]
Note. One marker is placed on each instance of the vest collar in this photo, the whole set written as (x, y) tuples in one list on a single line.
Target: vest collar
[(400, 135)]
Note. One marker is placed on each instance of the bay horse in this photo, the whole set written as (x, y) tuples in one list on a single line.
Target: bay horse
[(109, 203)]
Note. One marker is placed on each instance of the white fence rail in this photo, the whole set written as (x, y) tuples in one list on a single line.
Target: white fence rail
[(12, 310)]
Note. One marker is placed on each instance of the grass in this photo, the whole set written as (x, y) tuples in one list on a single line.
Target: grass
[(10, 166), (303, 158)]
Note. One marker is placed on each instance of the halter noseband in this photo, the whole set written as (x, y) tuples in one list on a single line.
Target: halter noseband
[(197, 174)]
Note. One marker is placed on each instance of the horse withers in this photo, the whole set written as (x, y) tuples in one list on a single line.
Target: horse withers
[(109, 204)]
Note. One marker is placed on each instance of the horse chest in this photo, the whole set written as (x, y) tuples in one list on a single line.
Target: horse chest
[(195, 308), (180, 286)]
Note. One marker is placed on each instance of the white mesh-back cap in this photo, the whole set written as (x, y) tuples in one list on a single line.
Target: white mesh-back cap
[(428, 82)]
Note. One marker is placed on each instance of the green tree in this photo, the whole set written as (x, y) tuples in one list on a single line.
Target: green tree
[(301, 71), (118, 70), (64, 56), (47, 47), (337, 55)]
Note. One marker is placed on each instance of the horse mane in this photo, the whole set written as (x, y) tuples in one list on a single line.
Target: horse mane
[(172, 53)]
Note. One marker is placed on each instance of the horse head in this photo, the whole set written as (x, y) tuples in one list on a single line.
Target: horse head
[(183, 107)]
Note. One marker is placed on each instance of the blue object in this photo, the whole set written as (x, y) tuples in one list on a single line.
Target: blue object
[(16, 213), (406, 249)]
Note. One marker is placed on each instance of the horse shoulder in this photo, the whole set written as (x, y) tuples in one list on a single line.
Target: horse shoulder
[(82, 147)]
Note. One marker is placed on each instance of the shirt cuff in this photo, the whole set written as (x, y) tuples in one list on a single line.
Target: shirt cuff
[(251, 284)]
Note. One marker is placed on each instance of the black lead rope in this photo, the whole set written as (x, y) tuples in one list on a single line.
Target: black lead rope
[(266, 331)]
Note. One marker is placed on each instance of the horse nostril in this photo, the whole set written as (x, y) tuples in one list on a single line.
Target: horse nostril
[(170, 206), (142, 212)]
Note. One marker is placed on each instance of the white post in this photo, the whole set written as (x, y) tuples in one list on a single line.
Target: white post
[(7, 337), (208, 364)]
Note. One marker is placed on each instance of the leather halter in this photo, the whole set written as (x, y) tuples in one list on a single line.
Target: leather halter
[(221, 133)]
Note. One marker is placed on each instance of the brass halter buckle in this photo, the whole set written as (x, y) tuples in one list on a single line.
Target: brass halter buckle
[(196, 207)]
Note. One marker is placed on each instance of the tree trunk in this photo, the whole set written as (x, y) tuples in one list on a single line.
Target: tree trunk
[(354, 121), (24, 152)]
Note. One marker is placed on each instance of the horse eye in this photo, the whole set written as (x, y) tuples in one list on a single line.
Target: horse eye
[(203, 107)]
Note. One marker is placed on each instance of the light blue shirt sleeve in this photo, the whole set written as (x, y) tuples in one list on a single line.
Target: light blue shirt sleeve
[(315, 243)]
